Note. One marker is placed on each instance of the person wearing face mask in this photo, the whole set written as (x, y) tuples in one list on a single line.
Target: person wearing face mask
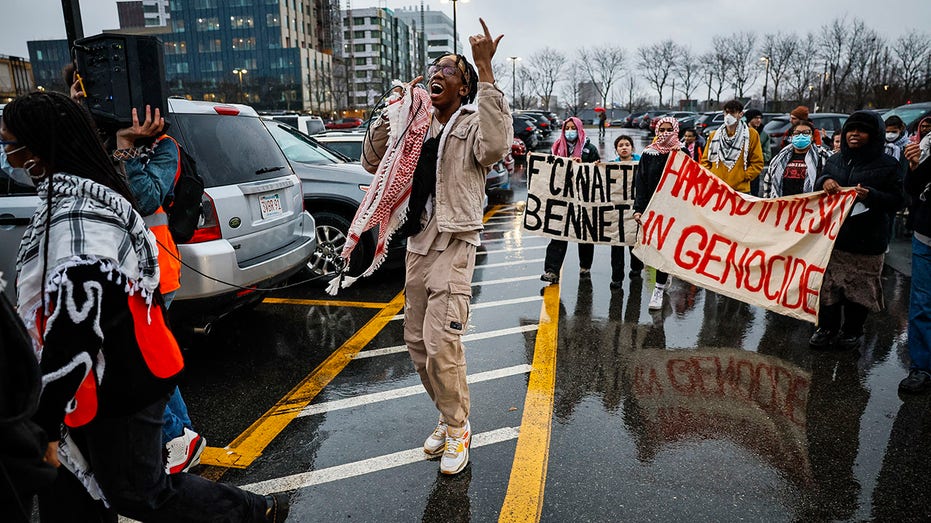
[(652, 163), (795, 169), (896, 137), (571, 143), (734, 153), (801, 114), (852, 286), (19, 175)]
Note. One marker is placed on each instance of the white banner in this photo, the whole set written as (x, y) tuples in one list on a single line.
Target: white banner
[(580, 202), (770, 253)]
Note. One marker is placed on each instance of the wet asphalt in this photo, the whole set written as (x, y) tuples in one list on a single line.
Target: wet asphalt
[(709, 409)]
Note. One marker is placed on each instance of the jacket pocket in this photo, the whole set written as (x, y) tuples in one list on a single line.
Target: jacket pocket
[(457, 308)]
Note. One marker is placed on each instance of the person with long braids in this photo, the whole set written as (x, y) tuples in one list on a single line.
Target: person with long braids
[(87, 290), (445, 216), (652, 162)]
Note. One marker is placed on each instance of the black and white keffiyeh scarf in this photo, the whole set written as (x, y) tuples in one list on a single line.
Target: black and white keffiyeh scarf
[(727, 149), (90, 223)]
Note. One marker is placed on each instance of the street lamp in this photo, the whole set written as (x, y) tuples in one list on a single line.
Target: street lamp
[(811, 96), (455, 33), (514, 60), (240, 72), (765, 59)]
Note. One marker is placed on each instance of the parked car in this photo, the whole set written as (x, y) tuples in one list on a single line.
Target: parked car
[(777, 128), (646, 121), (678, 115), (540, 120), (333, 189), (344, 123), (631, 120), (709, 121), (525, 128), (347, 144), (687, 123), (306, 124), (911, 114), (253, 232)]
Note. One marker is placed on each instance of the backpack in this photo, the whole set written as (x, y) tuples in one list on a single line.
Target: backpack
[(183, 202)]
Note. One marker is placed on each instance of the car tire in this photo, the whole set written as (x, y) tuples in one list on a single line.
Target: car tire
[(331, 237)]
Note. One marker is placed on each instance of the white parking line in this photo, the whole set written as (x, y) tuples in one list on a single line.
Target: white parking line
[(518, 249), (516, 240), (366, 466), (506, 264), (488, 304), (468, 337), (503, 280), (403, 392)]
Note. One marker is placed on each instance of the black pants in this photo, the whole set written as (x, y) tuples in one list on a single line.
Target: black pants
[(854, 316), (556, 254), (126, 456)]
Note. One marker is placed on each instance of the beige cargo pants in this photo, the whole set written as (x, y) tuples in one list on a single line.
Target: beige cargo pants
[(437, 291)]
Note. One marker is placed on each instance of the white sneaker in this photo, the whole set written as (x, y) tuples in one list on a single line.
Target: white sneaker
[(184, 451), (656, 300), (435, 444), (456, 456)]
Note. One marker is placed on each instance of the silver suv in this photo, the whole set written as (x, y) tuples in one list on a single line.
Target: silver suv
[(254, 232)]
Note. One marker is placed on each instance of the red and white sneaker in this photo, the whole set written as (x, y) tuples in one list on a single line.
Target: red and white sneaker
[(456, 456), (184, 451)]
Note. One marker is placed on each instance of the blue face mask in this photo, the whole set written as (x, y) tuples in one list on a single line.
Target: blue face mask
[(17, 174), (801, 141), (572, 135)]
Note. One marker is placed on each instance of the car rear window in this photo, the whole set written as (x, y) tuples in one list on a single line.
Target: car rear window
[(776, 126), (908, 114), (348, 149), (297, 147), (231, 149)]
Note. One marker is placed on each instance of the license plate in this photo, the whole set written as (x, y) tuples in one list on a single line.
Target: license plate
[(270, 205)]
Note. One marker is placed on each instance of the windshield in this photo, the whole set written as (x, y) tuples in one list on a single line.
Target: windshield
[(231, 149), (299, 148)]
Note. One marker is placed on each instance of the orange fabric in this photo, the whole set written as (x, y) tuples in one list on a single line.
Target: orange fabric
[(169, 259), (85, 399), (156, 343)]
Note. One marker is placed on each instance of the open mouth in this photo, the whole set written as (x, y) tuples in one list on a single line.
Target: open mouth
[(436, 88)]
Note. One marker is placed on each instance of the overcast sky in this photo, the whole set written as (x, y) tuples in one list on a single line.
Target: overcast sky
[(529, 25)]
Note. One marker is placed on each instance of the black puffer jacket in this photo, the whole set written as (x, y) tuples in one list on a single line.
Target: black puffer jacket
[(868, 166)]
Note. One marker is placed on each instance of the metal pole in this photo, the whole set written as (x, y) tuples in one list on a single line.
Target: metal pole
[(74, 28), (455, 35), (514, 82)]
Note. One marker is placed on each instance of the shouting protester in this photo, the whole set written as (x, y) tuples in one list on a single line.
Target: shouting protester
[(852, 286), (463, 140), (733, 153)]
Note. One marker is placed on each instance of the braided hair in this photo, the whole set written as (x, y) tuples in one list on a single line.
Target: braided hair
[(62, 133), (469, 75)]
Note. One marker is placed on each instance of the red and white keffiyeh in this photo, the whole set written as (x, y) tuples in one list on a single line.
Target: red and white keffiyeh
[(385, 203)]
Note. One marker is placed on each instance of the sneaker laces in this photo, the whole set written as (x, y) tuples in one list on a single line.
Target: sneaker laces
[(452, 445), (440, 431)]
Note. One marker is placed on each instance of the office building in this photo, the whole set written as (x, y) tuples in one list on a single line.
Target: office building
[(143, 13), (48, 57), (437, 28), (15, 78)]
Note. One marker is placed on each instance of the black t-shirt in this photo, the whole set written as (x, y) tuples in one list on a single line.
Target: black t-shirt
[(793, 179)]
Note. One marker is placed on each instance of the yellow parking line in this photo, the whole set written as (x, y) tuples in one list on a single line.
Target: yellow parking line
[(524, 498), (334, 303), (491, 212), (248, 446)]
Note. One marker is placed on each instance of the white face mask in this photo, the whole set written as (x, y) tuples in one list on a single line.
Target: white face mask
[(891, 137), (729, 120), (17, 174)]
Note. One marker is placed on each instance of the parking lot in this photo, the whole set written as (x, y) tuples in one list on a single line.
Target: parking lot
[(574, 413)]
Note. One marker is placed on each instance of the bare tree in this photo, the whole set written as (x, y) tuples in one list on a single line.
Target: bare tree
[(603, 66), (688, 70), (835, 40), (780, 53), (911, 52), (714, 65), (629, 87), (742, 61), (802, 73), (524, 88), (546, 69), (571, 93), (865, 50), (656, 63)]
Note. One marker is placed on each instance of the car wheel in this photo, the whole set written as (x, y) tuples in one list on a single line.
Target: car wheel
[(331, 237)]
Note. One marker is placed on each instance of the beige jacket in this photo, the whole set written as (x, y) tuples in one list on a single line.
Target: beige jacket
[(475, 137)]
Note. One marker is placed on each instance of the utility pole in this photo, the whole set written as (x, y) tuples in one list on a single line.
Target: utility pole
[(514, 60)]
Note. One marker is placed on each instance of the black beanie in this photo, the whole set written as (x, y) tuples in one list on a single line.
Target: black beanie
[(752, 113)]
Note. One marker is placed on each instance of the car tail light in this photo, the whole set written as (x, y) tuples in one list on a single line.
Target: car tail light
[(226, 110), (364, 188), (529, 129), (208, 228)]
